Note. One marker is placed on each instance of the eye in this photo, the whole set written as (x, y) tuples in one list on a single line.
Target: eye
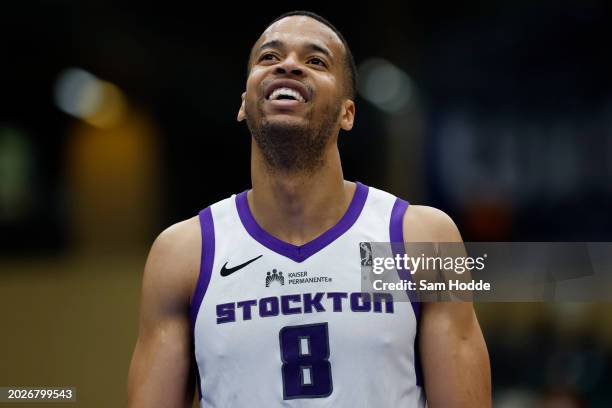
[(317, 61), (268, 57)]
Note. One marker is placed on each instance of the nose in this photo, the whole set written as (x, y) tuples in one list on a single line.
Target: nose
[(289, 65)]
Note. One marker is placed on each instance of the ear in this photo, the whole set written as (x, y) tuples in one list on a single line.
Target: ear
[(241, 111), (348, 115)]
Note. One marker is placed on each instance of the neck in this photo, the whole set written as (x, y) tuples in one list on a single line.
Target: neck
[(298, 207)]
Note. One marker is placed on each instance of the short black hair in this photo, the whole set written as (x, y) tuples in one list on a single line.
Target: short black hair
[(349, 60)]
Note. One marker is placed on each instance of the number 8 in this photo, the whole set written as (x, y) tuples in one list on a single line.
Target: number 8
[(306, 369)]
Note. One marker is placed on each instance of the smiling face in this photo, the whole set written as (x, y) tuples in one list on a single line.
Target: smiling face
[(296, 93)]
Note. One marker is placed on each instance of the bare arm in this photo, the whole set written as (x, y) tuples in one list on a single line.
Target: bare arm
[(453, 352), (161, 368)]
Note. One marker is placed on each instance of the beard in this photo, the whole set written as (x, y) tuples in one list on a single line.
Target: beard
[(292, 147)]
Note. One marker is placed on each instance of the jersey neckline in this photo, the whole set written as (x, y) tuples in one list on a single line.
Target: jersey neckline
[(299, 253)]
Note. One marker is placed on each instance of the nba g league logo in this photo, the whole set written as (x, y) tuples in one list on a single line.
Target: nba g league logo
[(365, 250)]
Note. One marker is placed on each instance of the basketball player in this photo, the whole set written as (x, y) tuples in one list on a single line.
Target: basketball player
[(257, 301)]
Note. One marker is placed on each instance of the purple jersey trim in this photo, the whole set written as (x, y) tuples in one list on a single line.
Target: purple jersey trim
[(206, 265), (396, 235), (301, 252)]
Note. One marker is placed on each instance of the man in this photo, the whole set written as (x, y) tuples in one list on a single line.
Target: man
[(260, 295)]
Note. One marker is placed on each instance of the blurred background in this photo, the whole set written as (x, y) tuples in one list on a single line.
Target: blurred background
[(118, 120)]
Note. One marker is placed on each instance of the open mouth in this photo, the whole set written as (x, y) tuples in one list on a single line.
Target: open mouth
[(286, 94)]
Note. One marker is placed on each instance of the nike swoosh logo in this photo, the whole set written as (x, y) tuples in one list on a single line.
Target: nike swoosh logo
[(228, 271)]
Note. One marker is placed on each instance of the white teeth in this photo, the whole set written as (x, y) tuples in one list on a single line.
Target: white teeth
[(286, 92)]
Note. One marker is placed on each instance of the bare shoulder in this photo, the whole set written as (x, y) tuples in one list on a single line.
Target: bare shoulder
[(178, 238), (428, 224), (174, 259)]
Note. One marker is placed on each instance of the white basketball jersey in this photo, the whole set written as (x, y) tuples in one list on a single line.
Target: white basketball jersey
[(276, 324)]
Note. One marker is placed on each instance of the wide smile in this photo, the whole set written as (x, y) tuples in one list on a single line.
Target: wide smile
[(286, 93)]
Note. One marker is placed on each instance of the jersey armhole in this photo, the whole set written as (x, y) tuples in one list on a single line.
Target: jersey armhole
[(396, 237), (206, 263)]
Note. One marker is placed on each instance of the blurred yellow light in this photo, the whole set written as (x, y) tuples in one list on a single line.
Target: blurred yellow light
[(83, 95), (111, 109)]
